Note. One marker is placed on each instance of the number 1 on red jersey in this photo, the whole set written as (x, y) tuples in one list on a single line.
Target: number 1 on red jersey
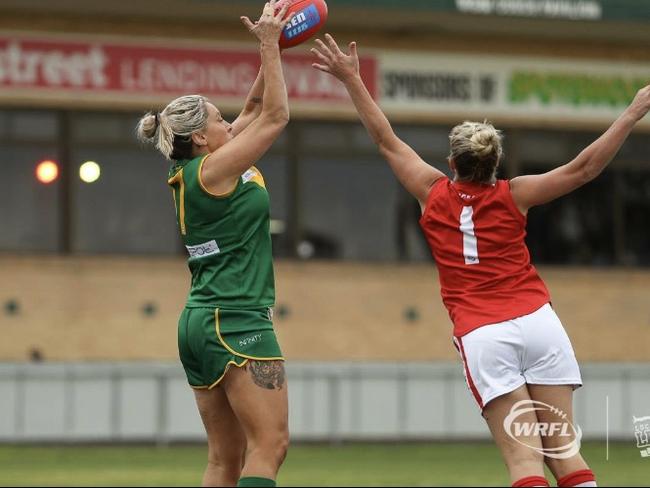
[(470, 244)]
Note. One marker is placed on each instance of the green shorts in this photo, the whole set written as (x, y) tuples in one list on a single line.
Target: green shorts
[(211, 340)]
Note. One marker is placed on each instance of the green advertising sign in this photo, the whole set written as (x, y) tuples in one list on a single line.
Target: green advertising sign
[(578, 90)]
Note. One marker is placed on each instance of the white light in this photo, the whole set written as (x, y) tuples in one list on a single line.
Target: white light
[(306, 250), (89, 172)]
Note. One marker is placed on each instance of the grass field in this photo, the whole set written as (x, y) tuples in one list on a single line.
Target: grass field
[(307, 465)]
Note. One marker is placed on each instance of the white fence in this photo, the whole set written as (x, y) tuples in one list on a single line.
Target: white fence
[(123, 402)]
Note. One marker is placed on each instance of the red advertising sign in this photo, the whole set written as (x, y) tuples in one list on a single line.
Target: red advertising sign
[(149, 69)]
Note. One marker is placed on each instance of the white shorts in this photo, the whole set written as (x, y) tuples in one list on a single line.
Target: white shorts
[(534, 349)]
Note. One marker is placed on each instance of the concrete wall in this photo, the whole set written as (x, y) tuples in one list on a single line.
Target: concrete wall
[(86, 402), (94, 309)]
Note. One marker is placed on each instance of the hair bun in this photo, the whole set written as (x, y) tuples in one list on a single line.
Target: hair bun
[(485, 141), (147, 127), (476, 149), (177, 122)]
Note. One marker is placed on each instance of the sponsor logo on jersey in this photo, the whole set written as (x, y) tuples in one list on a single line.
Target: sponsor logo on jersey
[(253, 175), (562, 429), (249, 175), (250, 340), (203, 250)]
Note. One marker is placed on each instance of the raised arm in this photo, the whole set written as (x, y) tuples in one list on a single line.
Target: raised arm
[(224, 166), (531, 190), (253, 105), (413, 173)]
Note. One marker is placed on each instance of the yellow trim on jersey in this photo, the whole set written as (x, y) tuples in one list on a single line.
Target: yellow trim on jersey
[(226, 371), (205, 189), (199, 387), (232, 351), (178, 178)]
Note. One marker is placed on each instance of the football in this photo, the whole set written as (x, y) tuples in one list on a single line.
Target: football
[(310, 16)]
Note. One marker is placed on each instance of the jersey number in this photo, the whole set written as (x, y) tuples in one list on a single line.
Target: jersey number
[(180, 208), (470, 244)]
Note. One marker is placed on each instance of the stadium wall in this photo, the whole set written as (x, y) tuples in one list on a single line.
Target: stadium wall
[(151, 402), (110, 308)]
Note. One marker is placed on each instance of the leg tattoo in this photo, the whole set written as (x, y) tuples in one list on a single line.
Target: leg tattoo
[(268, 374)]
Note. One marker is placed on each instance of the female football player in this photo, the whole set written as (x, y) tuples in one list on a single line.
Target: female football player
[(513, 346), (222, 208)]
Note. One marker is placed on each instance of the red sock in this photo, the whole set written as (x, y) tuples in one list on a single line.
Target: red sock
[(577, 478), (531, 481)]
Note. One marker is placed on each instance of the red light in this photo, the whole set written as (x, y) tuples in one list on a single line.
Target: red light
[(47, 172)]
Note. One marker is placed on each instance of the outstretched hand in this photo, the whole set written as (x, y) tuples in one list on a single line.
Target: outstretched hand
[(270, 25), (334, 61)]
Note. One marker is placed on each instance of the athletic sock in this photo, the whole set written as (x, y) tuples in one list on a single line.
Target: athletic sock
[(253, 481), (584, 477), (531, 481)]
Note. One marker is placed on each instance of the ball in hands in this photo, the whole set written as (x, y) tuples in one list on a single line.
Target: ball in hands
[(309, 18)]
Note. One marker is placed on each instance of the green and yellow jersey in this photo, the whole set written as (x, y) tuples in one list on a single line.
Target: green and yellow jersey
[(227, 238)]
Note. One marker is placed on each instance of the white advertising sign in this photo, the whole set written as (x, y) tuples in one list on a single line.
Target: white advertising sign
[(516, 88)]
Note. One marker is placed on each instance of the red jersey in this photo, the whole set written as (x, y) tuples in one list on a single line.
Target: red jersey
[(476, 234)]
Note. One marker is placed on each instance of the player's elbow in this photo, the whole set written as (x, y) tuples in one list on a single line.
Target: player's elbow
[(387, 145), (283, 117), (588, 166), (589, 173), (278, 118)]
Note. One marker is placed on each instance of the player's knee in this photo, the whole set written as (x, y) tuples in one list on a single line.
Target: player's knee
[(273, 446), (279, 446), (283, 447)]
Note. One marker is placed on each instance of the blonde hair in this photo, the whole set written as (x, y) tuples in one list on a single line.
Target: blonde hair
[(476, 149), (170, 131)]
